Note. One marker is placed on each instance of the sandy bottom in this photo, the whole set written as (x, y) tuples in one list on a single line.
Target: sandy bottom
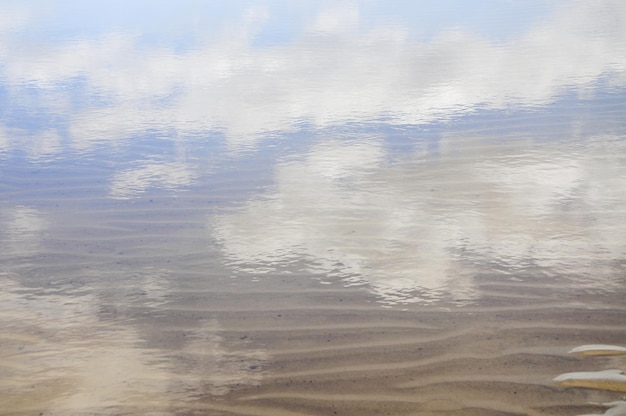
[(277, 348)]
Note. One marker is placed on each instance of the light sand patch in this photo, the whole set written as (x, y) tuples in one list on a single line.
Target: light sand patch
[(613, 380), (598, 349)]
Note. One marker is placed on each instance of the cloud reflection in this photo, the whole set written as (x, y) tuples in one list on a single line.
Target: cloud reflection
[(61, 355), (39, 146), (210, 367), (133, 182), (346, 212), (420, 230), (335, 70), (22, 230)]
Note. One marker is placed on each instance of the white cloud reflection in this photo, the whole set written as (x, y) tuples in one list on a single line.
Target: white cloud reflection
[(42, 145), (59, 353), (335, 70), (421, 230), (343, 211), (131, 183), (22, 230)]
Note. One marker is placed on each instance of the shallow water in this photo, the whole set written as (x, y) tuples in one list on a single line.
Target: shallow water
[(311, 209)]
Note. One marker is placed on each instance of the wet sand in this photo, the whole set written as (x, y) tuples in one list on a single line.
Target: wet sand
[(277, 348)]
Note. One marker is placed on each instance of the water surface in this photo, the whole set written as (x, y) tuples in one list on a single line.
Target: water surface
[(322, 208)]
